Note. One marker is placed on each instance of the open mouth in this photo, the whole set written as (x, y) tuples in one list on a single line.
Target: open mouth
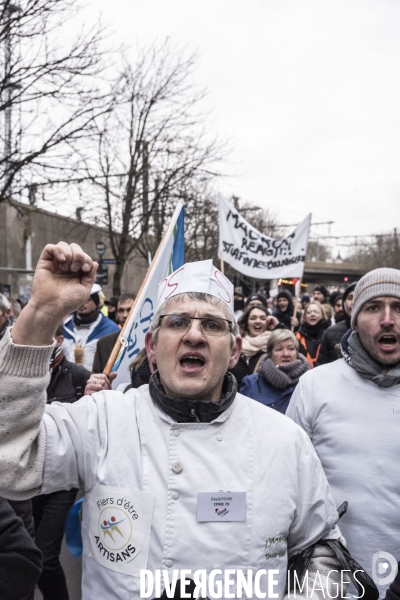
[(387, 341), (191, 363), (257, 327)]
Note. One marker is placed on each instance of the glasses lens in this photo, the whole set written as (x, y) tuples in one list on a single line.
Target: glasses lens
[(176, 323), (209, 325), (214, 326)]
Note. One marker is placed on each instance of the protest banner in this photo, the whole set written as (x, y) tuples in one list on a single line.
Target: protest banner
[(254, 254), (170, 256)]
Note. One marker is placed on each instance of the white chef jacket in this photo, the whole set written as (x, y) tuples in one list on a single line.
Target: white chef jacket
[(127, 444), (354, 426)]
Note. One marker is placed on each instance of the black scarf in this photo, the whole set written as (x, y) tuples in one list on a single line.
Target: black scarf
[(86, 319), (356, 356), (192, 411), (313, 331)]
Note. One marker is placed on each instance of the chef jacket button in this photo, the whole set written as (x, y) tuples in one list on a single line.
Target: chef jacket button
[(176, 432), (219, 438), (168, 563), (177, 468), (174, 495)]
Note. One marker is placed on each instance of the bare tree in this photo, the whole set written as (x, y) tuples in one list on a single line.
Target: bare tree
[(376, 251), (149, 147), (318, 251), (50, 92)]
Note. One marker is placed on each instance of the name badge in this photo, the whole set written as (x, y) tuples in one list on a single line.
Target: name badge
[(120, 527), (221, 506)]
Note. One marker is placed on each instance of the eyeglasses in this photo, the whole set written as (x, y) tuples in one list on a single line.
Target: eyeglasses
[(182, 323)]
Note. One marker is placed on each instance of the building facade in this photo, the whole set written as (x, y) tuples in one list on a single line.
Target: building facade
[(25, 230)]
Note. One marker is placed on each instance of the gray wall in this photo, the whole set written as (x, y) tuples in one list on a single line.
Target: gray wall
[(18, 221)]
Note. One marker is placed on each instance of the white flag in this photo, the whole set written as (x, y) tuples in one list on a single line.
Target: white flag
[(254, 254), (169, 257)]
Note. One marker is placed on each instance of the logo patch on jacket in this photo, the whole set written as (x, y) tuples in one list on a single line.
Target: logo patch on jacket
[(120, 526)]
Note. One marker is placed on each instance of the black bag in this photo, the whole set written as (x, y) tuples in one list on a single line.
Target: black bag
[(298, 565)]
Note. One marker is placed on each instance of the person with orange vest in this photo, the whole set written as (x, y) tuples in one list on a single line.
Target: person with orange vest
[(312, 328)]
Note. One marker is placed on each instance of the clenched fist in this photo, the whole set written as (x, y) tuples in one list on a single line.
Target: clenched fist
[(62, 282)]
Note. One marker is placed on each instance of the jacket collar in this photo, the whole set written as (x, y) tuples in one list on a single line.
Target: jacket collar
[(184, 410)]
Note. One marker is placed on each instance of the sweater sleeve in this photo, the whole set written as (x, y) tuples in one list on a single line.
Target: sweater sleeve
[(24, 376)]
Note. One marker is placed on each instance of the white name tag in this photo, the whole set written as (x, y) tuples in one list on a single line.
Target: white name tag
[(221, 506), (120, 526)]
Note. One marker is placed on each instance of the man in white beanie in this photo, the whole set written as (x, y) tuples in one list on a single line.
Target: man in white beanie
[(84, 328), (351, 411), (183, 474)]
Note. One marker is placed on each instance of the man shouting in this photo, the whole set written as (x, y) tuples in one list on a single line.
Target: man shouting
[(184, 473), (351, 411)]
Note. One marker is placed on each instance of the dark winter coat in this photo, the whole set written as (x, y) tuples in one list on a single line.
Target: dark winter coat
[(104, 348), (274, 385), (245, 367), (310, 337), (142, 375), (20, 560), (61, 387), (255, 386), (330, 339)]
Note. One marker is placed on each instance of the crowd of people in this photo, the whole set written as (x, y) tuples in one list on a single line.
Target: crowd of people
[(310, 329), (195, 418)]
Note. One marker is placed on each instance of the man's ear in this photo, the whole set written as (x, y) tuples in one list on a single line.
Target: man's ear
[(236, 352), (150, 347)]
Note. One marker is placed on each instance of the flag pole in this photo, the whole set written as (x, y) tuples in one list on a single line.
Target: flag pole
[(296, 300), (118, 344), (221, 256)]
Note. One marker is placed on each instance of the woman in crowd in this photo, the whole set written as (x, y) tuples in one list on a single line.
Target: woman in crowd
[(255, 328), (285, 310), (311, 330), (279, 372)]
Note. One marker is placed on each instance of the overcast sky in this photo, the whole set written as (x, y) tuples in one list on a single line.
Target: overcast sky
[(308, 92)]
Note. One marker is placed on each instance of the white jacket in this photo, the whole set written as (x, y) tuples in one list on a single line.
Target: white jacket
[(141, 473), (354, 426)]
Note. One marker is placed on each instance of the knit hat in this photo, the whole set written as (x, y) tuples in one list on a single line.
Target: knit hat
[(380, 282), (321, 288), (284, 294), (256, 296)]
